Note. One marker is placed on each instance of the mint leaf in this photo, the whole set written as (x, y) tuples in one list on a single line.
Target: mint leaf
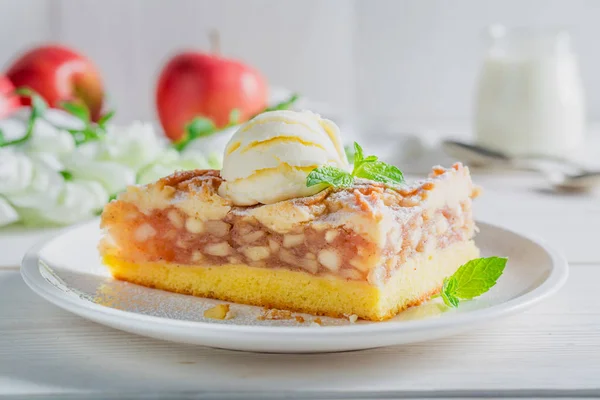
[(478, 276), (67, 176), (359, 155), (364, 167), (2, 138), (78, 110), (329, 175), (378, 171), (284, 105), (472, 279), (449, 293)]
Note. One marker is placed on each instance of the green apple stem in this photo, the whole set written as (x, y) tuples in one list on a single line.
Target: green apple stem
[(214, 38)]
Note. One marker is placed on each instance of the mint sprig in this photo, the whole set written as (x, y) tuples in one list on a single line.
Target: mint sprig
[(364, 167), (329, 175), (472, 279)]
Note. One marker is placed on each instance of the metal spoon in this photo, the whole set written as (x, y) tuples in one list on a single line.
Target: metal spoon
[(561, 173)]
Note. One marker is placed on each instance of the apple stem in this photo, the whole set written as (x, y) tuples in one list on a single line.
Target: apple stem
[(214, 39)]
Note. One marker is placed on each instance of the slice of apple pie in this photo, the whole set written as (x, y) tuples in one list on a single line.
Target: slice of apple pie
[(368, 249)]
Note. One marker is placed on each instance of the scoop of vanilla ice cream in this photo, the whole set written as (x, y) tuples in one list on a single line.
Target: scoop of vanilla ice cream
[(268, 159)]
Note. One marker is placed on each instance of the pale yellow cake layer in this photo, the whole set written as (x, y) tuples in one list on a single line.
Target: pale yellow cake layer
[(414, 283)]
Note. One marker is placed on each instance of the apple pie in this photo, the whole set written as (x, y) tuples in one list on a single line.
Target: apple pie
[(369, 249)]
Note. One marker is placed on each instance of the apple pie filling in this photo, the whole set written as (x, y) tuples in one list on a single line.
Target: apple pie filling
[(323, 245)]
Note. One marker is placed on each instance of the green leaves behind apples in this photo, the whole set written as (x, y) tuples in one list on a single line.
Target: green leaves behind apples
[(472, 279), (198, 127), (234, 117), (67, 176), (91, 131), (201, 127), (78, 110), (38, 104), (284, 105), (38, 108), (364, 167), (105, 119)]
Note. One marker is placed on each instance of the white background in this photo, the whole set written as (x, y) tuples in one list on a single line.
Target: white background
[(407, 60)]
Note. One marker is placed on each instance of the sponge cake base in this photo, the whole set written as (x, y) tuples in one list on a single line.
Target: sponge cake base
[(413, 283)]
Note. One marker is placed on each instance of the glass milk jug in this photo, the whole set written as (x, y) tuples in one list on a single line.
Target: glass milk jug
[(530, 97)]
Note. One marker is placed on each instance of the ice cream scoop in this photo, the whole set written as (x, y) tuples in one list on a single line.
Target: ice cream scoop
[(268, 159)]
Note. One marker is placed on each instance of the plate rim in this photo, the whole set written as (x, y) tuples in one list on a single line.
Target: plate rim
[(557, 277)]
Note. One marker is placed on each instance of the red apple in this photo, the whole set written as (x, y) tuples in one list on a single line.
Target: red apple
[(196, 84), (59, 74), (8, 101)]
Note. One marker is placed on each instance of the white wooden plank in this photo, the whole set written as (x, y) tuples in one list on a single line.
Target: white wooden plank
[(53, 349)]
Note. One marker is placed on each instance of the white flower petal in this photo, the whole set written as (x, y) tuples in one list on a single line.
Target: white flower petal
[(78, 201), (112, 176), (16, 171), (46, 138), (136, 145), (43, 190)]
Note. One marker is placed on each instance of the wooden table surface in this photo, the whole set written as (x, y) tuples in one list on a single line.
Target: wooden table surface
[(551, 350)]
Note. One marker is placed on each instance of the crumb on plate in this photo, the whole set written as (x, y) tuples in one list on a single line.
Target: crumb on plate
[(219, 311), (274, 314)]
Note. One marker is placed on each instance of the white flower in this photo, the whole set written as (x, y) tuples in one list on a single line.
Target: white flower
[(212, 143), (16, 171), (114, 177), (46, 136), (42, 189), (170, 162), (79, 200), (136, 145)]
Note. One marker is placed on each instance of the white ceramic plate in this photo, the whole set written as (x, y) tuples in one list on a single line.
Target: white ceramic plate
[(67, 272)]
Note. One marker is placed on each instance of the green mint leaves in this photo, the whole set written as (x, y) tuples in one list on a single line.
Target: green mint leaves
[(364, 167), (330, 175), (371, 168), (472, 279)]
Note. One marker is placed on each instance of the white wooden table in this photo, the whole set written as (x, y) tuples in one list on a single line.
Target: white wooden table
[(551, 350)]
